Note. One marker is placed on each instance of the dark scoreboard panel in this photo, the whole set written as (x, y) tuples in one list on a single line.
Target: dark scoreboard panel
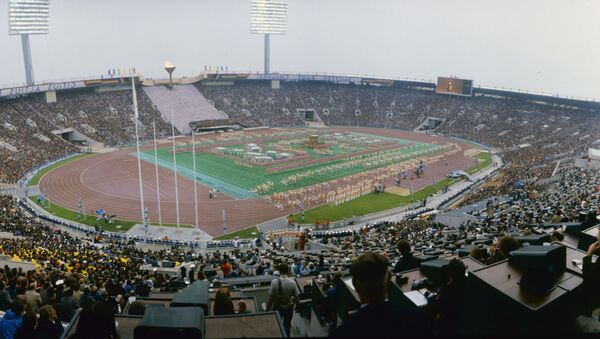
[(454, 86)]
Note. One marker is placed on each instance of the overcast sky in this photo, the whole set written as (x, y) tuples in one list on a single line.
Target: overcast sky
[(539, 45)]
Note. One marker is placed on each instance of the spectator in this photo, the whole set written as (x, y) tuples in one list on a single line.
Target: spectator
[(407, 262), (48, 326), (5, 299), (96, 322), (378, 317), (33, 299), (223, 304), (12, 320), (283, 295)]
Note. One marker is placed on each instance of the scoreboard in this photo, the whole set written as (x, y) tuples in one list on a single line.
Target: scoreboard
[(454, 86)]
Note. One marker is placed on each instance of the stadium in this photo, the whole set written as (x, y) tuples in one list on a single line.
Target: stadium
[(225, 204)]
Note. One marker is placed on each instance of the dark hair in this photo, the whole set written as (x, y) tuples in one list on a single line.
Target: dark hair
[(557, 236), (404, 247), (97, 322), (508, 244), (17, 307), (283, 268), (223, 304), (137, 308)]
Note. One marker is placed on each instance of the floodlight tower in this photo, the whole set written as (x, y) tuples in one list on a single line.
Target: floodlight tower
[(28, 17), (268, 17)]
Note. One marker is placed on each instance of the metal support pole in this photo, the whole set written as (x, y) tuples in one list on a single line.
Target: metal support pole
[(137, 145), (267, 54), (156, 170), (175, 171), (27, 59), (195, 184)]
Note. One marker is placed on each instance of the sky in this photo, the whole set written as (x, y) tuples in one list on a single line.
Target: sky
[(544, 46)]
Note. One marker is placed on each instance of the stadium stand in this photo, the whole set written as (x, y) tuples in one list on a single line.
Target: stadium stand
[(185, 102), (82, 274)]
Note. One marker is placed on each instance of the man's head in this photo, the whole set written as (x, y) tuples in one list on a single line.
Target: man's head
[(404, 247), (283, 268), (508, 244), (370, 277)]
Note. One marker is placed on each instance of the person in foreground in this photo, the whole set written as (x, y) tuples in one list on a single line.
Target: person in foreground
[(377, 316)]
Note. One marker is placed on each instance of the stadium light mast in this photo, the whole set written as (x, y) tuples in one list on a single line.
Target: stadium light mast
[(268, 17), (25, 18), (170, 68)]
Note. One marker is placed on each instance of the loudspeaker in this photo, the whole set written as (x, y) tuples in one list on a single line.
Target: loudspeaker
[(433, 269), (195, 295), (172, 323)]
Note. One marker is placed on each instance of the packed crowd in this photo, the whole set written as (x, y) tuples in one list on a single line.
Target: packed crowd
[(531, 137), (74, 272), (106, 117)]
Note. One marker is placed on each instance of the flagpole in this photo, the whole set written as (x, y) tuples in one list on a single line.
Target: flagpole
[(195, 185), (137, 145), (156, 169), (175, 170)]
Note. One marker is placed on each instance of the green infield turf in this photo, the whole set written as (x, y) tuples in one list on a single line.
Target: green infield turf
[(36, 179), (90, 220), (223, 173)]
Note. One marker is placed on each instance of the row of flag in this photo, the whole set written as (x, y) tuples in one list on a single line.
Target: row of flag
[(215, 69), (125, 71)]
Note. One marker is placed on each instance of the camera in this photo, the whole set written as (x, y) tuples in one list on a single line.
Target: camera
[(419, 284)]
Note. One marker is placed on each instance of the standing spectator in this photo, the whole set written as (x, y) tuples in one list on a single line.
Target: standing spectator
[(67, 306), (283, 295), (33, 299)]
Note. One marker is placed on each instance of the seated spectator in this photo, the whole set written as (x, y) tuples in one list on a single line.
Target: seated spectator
[(407, 262), (448, 308), (137, 308), (48, 326), (223, 304), (502, 249), (242, 308), (12, 320), (591, 276), (378, 317), (479, 254)]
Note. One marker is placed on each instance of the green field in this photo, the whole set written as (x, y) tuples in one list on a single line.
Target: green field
[(36, 179), (367, 204), (373, 203), (90, 220), (235, 179), (246, 233), (484, 159)]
